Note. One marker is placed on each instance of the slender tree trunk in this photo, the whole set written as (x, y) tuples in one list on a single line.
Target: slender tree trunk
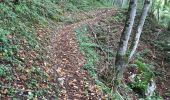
[(158, 10), (165, 4), (136, 38), (169, 26), (122, 48)]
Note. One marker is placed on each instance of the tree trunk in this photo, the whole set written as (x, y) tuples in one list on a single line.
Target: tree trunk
[(169, 26), (136, 38), (166, 4), (122, 48)]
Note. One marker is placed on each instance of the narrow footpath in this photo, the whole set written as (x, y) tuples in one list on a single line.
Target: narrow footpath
[(75, 83)]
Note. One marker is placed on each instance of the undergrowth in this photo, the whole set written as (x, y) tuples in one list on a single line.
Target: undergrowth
[(92, 57), (22, 56), (21, 53), (99, 51)]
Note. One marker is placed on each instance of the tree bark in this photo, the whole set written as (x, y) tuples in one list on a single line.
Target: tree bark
[(166, 3), (122, 48), (169, 26), (136, 38)]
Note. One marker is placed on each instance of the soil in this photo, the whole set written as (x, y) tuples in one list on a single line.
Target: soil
[(74, 82)]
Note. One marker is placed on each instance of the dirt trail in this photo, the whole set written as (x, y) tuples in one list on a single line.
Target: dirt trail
[(74, 82)]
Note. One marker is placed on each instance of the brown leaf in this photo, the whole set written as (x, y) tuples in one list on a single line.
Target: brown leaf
[(23, 77)]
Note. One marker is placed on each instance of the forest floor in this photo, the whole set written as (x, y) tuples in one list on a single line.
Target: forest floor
[(67, 61), (56, 68)]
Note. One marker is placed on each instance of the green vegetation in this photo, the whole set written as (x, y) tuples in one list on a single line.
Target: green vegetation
[(93, 47), (17, 28), (23, 55), (143, 76), (161, 11), (92, 57)]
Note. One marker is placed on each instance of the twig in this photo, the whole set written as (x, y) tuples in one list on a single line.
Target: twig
[(119, 95)]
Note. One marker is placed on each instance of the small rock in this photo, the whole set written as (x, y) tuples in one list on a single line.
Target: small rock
[(61, 81), (76, 87)]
